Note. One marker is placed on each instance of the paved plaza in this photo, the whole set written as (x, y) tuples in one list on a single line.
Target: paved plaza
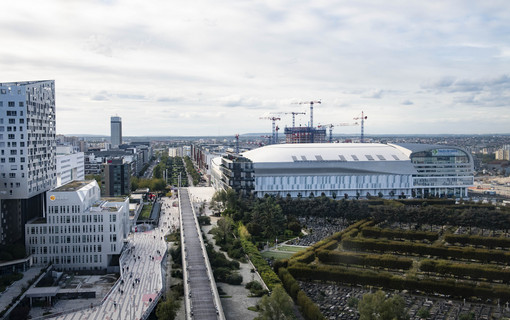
[(141, 275)]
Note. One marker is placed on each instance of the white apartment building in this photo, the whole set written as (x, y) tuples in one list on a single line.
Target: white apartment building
[(27, 138), (27, 153), (70, 165), (81, 230)]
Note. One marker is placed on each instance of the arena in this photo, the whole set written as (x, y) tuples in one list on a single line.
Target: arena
[(348, 170)]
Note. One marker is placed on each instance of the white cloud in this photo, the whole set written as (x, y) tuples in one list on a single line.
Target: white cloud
[(183, 63)]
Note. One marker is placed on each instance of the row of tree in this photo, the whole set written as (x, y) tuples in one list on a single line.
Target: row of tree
[(268, 276), (308, 308), (373, 260), (474, 271), (192, 171), (490, 242), (371, 245), (413, 235), (392, 211), (393, 282)]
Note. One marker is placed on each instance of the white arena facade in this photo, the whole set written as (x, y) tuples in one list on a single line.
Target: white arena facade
[(347, 170)]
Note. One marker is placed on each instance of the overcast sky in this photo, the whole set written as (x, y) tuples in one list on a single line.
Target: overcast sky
[(214, 67)]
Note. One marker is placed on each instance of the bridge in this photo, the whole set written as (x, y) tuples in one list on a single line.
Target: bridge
[(201, 295)]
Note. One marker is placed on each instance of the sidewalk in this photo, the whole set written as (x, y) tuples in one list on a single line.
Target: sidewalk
[(15, 289)]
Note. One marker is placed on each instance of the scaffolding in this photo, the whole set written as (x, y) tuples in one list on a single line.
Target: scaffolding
[(304, 135)]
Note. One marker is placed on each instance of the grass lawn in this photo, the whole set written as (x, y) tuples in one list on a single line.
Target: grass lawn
[(276, 255), (290, 248), (146, 212)]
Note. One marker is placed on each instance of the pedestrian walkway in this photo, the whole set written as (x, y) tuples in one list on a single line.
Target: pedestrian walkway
[(17, 287), (136, 292), (202, 299)]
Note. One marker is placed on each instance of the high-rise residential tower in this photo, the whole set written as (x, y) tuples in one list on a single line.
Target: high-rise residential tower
[(27, 153), (116, 131)]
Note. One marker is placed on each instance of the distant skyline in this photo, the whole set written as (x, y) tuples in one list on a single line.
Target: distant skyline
[(205, 68)]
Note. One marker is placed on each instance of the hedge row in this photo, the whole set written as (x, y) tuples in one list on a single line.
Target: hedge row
[(475, 271), (270, 278), (483, 255), (308, 308), (374, 232), (490, 242), (393, 282), (383, 261)]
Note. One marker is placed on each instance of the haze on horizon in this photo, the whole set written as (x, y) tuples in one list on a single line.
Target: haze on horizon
[(206, 68)]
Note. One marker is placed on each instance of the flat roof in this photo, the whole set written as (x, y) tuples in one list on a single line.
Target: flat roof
[(72, 186)]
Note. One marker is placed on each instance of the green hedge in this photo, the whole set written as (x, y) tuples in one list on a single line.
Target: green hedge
[(483, 255), (490, 242), (268, 276), (374, 232), (308, 308), (393, 282), (348, 258), (476, 271)]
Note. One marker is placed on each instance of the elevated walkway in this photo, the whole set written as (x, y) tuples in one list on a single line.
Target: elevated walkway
[(201, 295)]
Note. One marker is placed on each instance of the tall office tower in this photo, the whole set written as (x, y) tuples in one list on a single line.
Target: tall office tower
[(27, 153), (116, 131)]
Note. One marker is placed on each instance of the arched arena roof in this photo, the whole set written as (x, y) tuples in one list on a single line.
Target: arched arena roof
[(309, 152)]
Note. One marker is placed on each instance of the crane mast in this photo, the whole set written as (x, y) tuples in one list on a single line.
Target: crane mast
[(274, 133), (311, 109), (362, 118)]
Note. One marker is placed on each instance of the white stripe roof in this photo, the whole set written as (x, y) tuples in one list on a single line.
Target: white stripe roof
[(326, 152)]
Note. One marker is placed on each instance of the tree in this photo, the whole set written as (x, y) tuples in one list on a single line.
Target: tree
[(375, 306), (167, 309), (278, 306)]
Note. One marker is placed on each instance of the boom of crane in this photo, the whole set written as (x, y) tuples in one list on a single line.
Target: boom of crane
[(331, 126)]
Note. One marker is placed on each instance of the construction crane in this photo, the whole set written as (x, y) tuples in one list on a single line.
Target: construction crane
[(273, 119), (237, 143), (331, 126), (363, 118), (293, 116), (311, 109)]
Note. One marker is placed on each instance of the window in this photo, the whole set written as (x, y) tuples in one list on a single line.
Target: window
[(11, 104), (21, 104), (11, 121), (11, 160), (12, 175), (10, 136)]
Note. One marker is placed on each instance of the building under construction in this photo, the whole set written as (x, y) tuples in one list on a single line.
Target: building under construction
[(304, 135)]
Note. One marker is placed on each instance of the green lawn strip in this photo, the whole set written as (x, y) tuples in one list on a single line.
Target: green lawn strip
[(146, 212), (276, 255)]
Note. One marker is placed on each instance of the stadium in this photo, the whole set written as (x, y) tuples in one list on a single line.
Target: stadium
[(348, 170)]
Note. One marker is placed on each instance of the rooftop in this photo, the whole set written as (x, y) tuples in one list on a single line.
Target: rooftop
[(72, 186), (340, 152)]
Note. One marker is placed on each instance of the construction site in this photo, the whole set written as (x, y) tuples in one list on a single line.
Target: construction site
[(309, 133)]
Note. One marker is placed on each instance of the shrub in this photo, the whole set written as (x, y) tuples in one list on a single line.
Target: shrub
[(234, 278)]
